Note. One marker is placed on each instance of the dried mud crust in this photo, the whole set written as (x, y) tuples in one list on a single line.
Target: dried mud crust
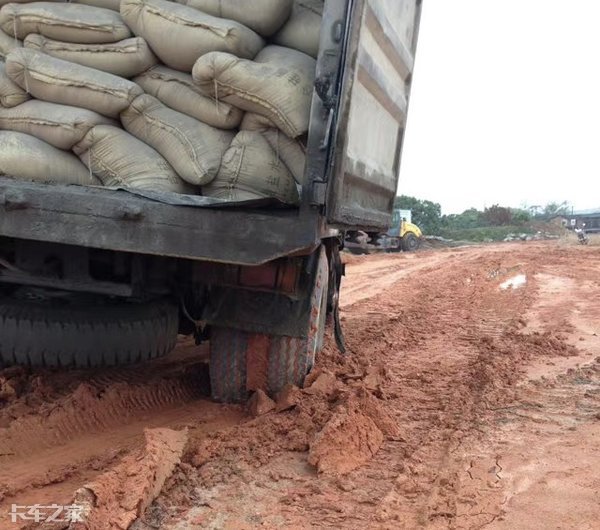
[(35, 334)]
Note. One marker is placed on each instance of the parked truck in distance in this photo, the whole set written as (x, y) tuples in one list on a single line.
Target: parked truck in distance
[(94, 277)]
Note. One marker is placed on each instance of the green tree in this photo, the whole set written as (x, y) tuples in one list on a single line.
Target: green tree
[(497, 215), (427, 215), (470, 218), (520, 217)]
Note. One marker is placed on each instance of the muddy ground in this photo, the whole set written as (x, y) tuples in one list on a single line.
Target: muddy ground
[(460, 404)]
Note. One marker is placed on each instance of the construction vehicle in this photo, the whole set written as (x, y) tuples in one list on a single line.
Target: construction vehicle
[(94, 277), (403, 235)]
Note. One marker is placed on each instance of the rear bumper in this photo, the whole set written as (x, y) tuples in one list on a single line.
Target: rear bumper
[(120, 221)]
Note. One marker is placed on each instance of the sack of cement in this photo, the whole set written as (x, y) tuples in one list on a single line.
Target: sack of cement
[(193, 148), (7, 43), (58, 81), (64, 22), (256, 122), (180, 34), (291, 152), (251, 170), (114, 5), (11, 94), (28, 158), (278, 84), (125, 58), (264, 16), (4, 2), (119, 159), (302, 31), (59, 125), (177, 90)]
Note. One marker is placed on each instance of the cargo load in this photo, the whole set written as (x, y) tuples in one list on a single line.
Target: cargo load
[(250, 170), (193, 148), (7, 43), (59, 125), (179, 34), (126, 58), (63, 21), (278, 84), (263, 16), (58, 81), (106, 4), (302, 30), (119, 159), (177, 90), (191, 82), (11, 94), (26, 157)]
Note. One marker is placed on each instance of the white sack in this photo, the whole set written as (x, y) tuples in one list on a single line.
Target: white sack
[(277, 85), (303, 30), (7, 43), (11, 94), (26, 157), (119, 159), (125, 58), (64, 22), (59, 125), (58, 81), (290, 151), (264, 16), (251, 170), (193, 148), (114, 5), (179, 34), (178, 91)]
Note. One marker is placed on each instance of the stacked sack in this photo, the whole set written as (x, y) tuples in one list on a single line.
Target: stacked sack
[(204, 97)]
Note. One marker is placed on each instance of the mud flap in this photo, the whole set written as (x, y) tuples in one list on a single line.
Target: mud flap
[(337, 270)]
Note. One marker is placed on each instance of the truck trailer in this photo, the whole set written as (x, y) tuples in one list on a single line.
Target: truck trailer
[(94, 277)]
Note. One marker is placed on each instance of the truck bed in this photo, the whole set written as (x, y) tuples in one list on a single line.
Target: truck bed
[(119, 220)]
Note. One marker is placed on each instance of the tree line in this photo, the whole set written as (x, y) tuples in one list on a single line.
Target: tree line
[(428, 215)]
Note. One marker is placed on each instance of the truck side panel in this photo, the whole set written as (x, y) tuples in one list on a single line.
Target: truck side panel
[(373, 108)]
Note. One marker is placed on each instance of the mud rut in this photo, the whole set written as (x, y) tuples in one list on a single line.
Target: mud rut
[(477, 397)]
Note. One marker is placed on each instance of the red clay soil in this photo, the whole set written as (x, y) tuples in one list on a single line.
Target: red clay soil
[(458, 405)]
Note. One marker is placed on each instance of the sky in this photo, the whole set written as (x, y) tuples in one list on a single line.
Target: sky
[(505, 105)]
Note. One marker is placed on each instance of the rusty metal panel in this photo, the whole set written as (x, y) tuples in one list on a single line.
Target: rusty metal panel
[(377, 75)]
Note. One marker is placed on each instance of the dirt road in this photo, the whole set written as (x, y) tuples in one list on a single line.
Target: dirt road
[(460, 404)]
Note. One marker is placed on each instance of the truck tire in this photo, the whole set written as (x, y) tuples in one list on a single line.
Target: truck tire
[(228, 365), (288, 359), (410, 242), (38, 334)]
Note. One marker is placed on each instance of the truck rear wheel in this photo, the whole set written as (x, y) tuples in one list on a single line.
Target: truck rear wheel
[(242, 362), (45, 334)]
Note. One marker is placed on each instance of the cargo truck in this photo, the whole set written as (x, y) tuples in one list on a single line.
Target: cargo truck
[(93, 277)]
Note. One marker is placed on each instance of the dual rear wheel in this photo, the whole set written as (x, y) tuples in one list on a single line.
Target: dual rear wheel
[(242, 362)]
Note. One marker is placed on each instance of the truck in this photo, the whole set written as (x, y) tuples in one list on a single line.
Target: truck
[(93, 277), (403, 235)]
